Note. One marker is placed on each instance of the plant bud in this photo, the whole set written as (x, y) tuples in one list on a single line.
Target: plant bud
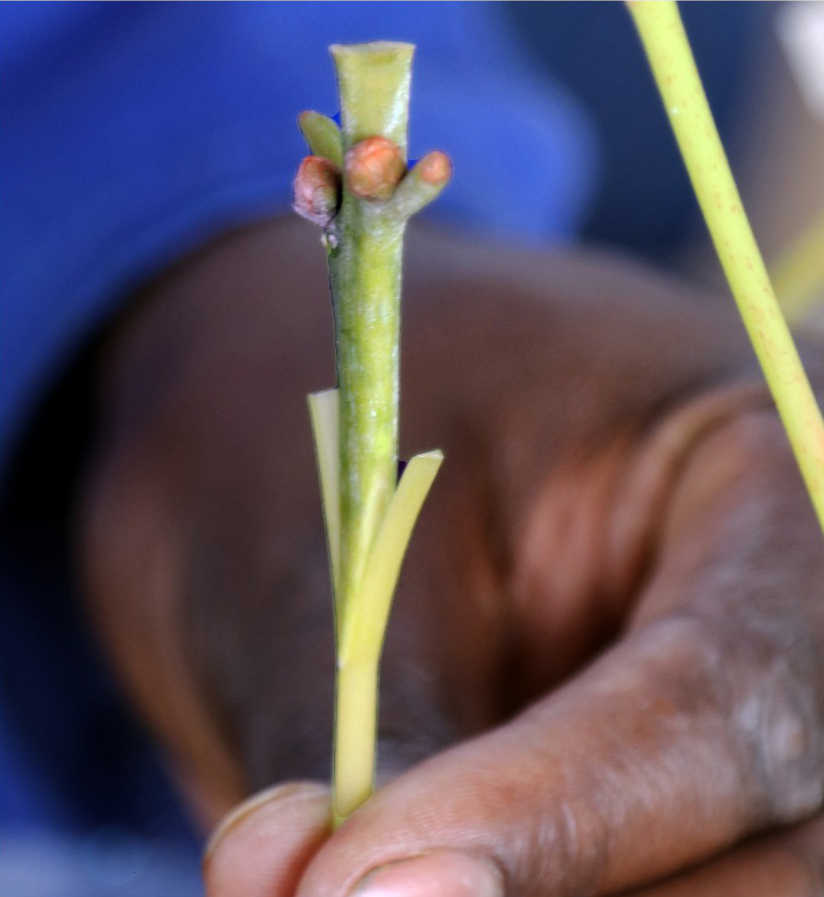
[(373, 168), (435, 168), (317, 188)]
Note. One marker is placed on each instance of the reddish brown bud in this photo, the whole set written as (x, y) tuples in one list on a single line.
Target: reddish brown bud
[(435, 167), (373, 168), (317, 190)]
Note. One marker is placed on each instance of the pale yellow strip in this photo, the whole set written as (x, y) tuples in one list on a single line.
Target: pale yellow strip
[(365, 620), (323, 409)]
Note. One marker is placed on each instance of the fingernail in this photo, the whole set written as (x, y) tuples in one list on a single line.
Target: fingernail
[(291, 790), (444, 874)]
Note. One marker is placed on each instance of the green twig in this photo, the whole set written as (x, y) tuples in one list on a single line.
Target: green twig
[(356, 186)]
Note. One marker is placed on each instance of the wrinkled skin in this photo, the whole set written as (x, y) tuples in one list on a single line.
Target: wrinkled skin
[(603, 667)]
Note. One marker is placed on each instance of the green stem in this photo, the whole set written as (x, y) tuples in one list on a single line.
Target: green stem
[(368, 520), (365, 277), (365, 274)]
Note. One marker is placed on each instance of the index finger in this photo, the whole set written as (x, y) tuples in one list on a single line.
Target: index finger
[(262, 848)]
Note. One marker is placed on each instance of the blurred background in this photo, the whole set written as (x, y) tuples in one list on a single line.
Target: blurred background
[(133, 133)]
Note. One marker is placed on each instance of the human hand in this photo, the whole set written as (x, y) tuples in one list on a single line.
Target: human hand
[(603, 663)]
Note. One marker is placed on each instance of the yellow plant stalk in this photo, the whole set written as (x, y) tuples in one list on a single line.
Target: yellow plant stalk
[(668, 51)]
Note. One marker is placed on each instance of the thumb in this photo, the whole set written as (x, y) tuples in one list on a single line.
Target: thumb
[(262, 847), (614, 781)]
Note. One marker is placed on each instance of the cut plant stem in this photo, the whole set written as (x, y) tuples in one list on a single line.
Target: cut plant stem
[(366, 271), (668, 51), (369, 517)]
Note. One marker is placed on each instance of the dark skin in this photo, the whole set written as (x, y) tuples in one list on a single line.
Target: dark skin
[(602, 670)]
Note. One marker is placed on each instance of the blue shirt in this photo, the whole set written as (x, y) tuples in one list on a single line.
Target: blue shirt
[(134, 132), (131, 134)]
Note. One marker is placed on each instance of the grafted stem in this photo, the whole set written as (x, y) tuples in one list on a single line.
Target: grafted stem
[(369, 519)]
